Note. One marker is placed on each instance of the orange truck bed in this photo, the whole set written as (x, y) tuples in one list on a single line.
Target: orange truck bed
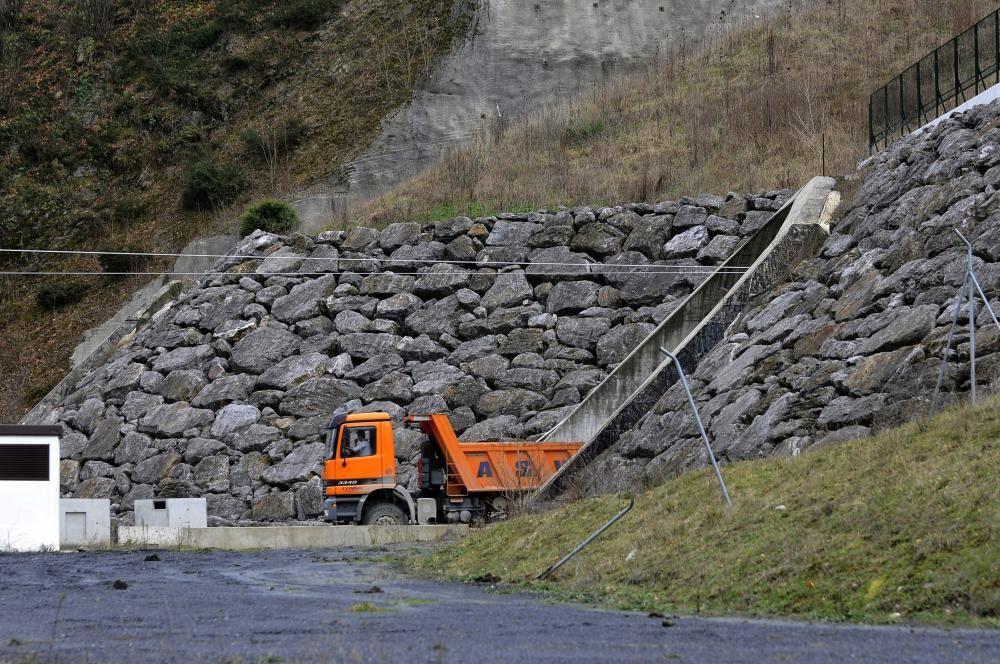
[(493, 467)]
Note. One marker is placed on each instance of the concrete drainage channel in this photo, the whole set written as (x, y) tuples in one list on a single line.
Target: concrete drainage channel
[(793, 234)]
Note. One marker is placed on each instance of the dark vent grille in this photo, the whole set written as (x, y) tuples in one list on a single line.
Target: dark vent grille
[(24, 463)]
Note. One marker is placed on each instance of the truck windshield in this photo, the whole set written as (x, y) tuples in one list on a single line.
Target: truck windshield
[(333, 428)]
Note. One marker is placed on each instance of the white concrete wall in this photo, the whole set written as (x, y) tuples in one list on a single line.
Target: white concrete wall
[(174, 513), (29, 511), (284, 537), (85, 522)]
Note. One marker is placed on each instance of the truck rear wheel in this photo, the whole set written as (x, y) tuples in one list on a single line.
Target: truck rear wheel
[(384, 514)]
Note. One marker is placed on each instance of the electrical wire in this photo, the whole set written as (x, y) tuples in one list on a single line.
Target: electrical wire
[(406, 261), (42, 273)]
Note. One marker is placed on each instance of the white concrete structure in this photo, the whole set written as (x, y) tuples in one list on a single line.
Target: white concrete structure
[(29, 488), (84, 522), (284, 537), (171, 513)]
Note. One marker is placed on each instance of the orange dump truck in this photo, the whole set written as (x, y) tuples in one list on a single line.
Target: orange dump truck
[(459, 482)]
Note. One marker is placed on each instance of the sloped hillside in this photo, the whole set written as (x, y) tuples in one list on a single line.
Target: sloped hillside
[(141, 125), (505, 322), (764, 104), (854, 344)]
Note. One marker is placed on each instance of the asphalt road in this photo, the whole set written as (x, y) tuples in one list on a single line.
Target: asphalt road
[(309, 606)]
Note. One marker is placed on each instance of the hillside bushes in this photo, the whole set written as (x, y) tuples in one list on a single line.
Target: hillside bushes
[(209, 185), (271, 216), (57, 293)]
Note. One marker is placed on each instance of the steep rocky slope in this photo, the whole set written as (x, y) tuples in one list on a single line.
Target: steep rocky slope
[(505, 322), (855, 342)]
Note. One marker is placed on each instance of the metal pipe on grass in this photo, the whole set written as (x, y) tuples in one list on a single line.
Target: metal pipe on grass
[(582, 545)]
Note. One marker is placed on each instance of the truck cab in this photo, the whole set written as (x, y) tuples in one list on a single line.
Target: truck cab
[(359, 474)]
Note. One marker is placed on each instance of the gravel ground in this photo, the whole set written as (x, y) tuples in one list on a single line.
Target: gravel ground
[(305, 606)]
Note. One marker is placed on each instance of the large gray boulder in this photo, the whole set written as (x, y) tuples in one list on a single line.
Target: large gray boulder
[(300, 465), (262, 349), (223, 390), (303, 301), (173, 419), (512, 233), (183, 358), (318, 396), (366, 345), (509, 290), (233, 420), (582, 332), (572, 297), (293, 370)]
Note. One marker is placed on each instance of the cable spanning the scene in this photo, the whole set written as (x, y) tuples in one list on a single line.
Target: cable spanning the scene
[(573, 268)]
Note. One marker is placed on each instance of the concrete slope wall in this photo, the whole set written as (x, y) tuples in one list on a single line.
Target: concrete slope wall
[(521, 56), (793, 234)]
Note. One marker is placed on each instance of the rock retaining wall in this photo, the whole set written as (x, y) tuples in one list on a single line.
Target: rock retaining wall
[(853, 343), (505, 322)]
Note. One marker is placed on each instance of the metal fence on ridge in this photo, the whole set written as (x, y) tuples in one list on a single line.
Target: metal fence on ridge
[(944, 79)]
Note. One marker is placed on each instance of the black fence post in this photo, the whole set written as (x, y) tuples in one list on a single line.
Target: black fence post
[(958, 77), (920, 95), (996, 44), (975, 39), (885, 113), (937, 82)]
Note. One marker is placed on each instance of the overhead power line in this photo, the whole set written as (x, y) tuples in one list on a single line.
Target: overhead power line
[(602, 268)]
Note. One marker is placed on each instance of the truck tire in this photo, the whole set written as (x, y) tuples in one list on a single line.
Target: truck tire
[(384, 514)]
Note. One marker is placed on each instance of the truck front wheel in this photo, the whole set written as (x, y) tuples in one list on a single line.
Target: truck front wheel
[(384, 514)]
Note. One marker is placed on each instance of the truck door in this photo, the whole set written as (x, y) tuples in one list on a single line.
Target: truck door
[(358, 463)]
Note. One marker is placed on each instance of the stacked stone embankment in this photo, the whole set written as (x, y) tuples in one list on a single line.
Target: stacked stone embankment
[(504, 322), (855, 343)]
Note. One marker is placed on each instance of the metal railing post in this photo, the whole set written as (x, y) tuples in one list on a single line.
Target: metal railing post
[(975, 38), (701, 427), (582, 545), (885, 112), (970, 286), (871, 127), (920, 95), (996, 44), (937, 83), (958, 76)]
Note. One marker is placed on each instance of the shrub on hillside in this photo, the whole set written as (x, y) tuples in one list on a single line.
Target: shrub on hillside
[(210, 185), (270, 216), (58, 293)]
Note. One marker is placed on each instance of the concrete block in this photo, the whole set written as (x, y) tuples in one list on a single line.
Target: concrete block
[(171, 513), (284, 537), (85, 522)]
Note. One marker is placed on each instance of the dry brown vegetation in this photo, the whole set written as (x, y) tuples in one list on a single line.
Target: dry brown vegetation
[(751, 111), (146, 93)]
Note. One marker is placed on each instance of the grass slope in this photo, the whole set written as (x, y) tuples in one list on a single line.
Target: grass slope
[(749, 111), (901, 527)]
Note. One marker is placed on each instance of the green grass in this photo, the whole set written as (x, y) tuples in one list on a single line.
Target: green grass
[(367, 607), (903, 527), (454, 209)]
